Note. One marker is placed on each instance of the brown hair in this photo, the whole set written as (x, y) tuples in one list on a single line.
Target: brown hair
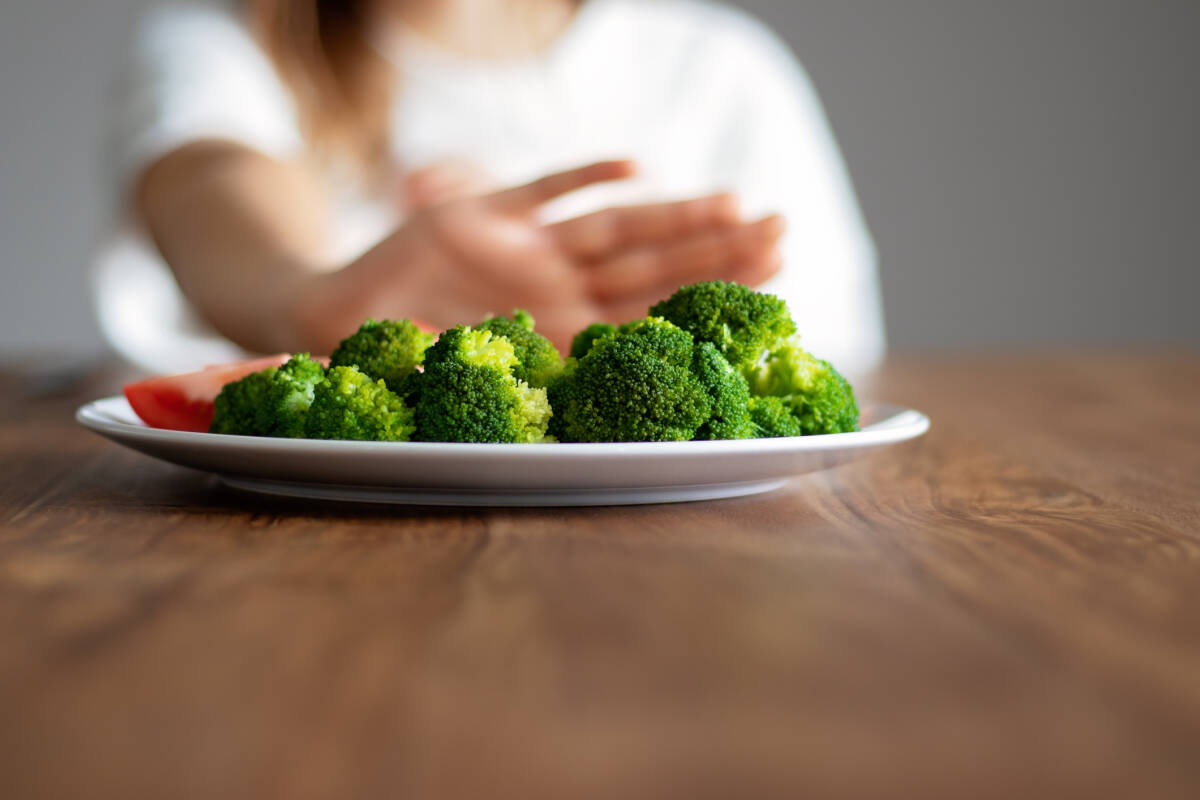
[(341, 85)]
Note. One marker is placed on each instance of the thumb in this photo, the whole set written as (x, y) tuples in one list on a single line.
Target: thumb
[(443, 182)]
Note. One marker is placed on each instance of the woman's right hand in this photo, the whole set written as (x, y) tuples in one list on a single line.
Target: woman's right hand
[(461, 260)]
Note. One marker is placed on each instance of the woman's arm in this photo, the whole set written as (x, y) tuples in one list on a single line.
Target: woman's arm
[(245, 237)]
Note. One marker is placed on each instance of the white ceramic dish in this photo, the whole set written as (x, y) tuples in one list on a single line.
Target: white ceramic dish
[(503, 474)]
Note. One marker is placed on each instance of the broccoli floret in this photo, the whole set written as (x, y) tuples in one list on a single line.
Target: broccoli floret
[(817, 395), (593, 333), (741, 322), (468, 392), (556, 394), (730, 415), (587, 337), (539, 361), (348, 404), (273, 402), (636, 386), (242, 407), (389, 350), (410, 388), (772, 418), (291, 394)]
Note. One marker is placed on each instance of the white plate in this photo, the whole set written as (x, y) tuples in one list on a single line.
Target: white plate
[(503, 474)]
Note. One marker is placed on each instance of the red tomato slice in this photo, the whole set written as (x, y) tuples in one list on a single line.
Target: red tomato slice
[(185, 402)]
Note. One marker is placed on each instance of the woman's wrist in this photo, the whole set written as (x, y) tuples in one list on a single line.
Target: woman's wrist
[(326, 307), (318, 313)]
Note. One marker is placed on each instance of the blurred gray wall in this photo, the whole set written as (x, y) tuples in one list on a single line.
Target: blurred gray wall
[(1029, 168)]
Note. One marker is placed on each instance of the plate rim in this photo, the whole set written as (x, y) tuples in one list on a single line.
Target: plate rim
[(898, 424)]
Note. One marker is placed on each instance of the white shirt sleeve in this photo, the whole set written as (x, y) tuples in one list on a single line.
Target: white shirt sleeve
[(783, 158), (194, 72)]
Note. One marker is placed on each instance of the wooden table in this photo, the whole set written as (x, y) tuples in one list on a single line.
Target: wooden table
[(1009, 607)]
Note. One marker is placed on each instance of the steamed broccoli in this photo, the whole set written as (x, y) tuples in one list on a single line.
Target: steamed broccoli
[(410, 388), (771, 417), (538, 360), (741, 322), (389, 350), (348, 404), (242, 407), (468, 392), (273, 402), (815, 393), (715, 361), (637, 386), (730, 415), (291, 394), (587, 337), (556, 395)]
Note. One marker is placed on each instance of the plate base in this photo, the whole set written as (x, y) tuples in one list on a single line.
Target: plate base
[(508, 498)]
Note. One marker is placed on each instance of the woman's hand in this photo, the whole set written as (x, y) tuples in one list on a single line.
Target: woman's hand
[(443, 182), (460, 260)]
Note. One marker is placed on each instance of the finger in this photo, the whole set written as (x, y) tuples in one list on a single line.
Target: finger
[(756, 273), (605, 232), (500, 253), (704, 256), (524, 199), (443, 182)]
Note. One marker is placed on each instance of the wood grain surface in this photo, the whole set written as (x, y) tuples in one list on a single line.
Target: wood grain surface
[(1008, 607)]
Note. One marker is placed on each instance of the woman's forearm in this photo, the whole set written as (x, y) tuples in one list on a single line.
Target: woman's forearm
[(245, 236)]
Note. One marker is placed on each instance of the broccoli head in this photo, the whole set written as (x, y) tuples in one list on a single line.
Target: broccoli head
[(771, 418), (348, 404), (556, 395), (388, 351), (469, 393), (538, 359), (242, 407), (587, 337), (741, 322), (291, 394), (273, 402), (817, 395), (635, 386), (410, 388), (730, 415)]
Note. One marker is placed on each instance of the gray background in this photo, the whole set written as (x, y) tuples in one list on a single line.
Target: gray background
[(1029, 168)]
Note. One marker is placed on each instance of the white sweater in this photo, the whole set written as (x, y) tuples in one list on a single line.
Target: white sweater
[(702, 96)]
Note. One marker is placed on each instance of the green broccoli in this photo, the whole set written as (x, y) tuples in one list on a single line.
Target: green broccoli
[(741, 322), (410, 388), (636, 386), (815, 393), (772, 418), (556, 395), (730, 415), (715, 360), (291, 394), (587, 337), (348, 404), (539, 361), (242, 407), (389, 350), (273, 402), (468, 392)]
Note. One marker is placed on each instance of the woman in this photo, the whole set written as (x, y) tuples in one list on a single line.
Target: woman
[(304, 164)]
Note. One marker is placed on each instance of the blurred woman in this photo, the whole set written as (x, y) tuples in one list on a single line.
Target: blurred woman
[(301, 165)]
